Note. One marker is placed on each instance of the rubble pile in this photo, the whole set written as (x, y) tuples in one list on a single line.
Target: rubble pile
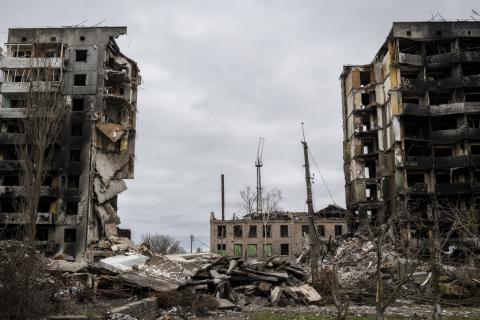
[(355, 261)]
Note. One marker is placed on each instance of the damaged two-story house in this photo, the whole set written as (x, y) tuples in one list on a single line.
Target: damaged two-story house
[(96, 148), (283, 234), (411, 125)]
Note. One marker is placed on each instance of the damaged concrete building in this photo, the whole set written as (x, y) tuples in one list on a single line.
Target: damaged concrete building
[(277, 234), (96, 149), (411, 123)]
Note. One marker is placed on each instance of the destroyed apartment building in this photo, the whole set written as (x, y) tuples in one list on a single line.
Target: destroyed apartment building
[(282, 234), (96, 147), (411, 121)]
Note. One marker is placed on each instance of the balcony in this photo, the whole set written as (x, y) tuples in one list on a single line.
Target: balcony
[(15, 191), (409, 59), (11, 138), (25, 87), (418, 188), (439, 60), (413, 85), (470, 56), (29, 63), (449, 136), (19, 218), (453, 188), (453, 162), (418, 162)]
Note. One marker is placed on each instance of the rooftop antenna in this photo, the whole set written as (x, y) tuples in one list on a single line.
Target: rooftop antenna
[(99, 23), (258, 165), (81, 23), (441, 16)]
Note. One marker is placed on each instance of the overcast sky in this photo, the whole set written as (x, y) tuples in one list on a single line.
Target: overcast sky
[(219, 74)]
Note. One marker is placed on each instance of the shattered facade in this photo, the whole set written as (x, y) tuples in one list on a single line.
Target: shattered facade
[(97, 145), (411, 122), (282, 234)]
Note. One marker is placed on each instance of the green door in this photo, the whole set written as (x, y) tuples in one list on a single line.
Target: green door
[(252, 250), (237, 249)]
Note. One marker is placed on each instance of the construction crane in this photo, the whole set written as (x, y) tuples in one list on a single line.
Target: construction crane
[(258, 165)]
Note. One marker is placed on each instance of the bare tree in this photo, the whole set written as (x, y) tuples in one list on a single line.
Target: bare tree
[(248, 197), (270, 201), (44, 119), (162, 244)]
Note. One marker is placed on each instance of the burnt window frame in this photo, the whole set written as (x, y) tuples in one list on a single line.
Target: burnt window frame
[(81, 55), (69, 235), (252, 231), (80, 80), (71, 208), (284, 231), (222, 231), (78, 104), (238, 231)]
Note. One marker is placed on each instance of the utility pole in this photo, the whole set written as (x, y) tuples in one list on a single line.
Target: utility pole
[(223, 197), (313, 237), (258, 165), (191, 243)]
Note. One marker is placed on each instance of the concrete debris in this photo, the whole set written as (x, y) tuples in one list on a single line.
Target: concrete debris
[(107, 164), (66, 266), (106, 191), (123, 263), (113, 131)]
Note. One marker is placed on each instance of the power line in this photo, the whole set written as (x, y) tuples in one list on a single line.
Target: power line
[(321, 176)]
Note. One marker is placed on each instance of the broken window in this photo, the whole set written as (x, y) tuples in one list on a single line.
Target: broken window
[(80, 80), (76, 130), (475, 149), (415, 178), (72, 208), (338, 230), (73, 181), (438, 98), (284, 250), (252, 232), (365, 99), (284, 231), (7, 152), (267, 250), (473, 121), (470, 69), (81, 55), (10, 180), (47, 182), (364, 78), (82, 38), (70, 235), (42, 233), (267, 231), (78, 104), (237, 231), (14, 103), (252, 250), (305, 230), (442, 177), (437, 47), (446, 122), (43, 205), (439, 74), (7, 207), (237, 250), (443, 151), (472, 94), (221, 231), (221, 248), (321, 230), (75, 155)]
